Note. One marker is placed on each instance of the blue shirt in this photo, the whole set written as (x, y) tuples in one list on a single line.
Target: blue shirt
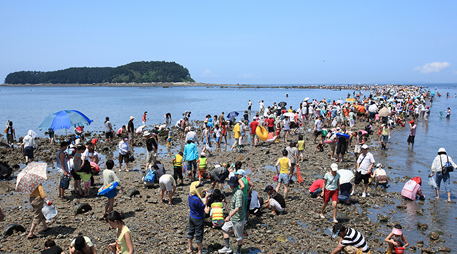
[(197, 208), (190, 152)]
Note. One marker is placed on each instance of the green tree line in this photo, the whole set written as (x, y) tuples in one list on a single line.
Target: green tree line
[(138, 72)]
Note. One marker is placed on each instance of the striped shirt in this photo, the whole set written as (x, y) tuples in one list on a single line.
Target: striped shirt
[(197, 208), (356, 239)]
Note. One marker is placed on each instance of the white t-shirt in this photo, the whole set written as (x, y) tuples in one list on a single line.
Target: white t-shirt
[(365, 162), (218, 132), (318, 125)]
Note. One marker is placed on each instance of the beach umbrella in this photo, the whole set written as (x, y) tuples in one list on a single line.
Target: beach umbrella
[(307, 98), (282, 104), (232, 115), (289, 114), (346, 176), (350, 100), (31, 177), (384, 112), (64, 119)]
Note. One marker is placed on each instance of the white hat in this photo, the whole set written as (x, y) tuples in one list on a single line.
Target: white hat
[(146, 133), (364, 147), (131, 117), (334, 167), (441, 150), (202, 154)]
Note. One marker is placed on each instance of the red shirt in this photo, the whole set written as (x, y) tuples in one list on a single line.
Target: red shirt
[(270, 122), (253, 126), (316, 185)]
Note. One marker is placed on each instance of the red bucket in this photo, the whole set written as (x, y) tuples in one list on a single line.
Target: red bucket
[(399, 250)]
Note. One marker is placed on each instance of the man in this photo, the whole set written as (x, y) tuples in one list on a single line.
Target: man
[(276, 201), (342, 144), (218, 175), (109, 132), (155, 133), (365, 163), (236, 217), (190, 155), (292, 154), (261, 107), (427, 113), (318, 129), (437, 167), (151, 146), (253, 127), (351, 240), (412, 133), (167, 183), (131, 130), (448, 113), (270, 124), (192, 134), (249, 105), (28, 144)]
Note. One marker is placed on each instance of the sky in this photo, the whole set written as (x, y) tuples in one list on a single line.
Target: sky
[(245, 42)]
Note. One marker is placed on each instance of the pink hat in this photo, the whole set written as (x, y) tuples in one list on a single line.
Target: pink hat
[(397, 231)]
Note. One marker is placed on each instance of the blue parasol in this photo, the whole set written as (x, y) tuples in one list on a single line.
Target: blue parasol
[(64, 119), (232, 115)]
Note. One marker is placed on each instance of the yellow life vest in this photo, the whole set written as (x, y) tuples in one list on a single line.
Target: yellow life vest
[(217, 213), (178, 161)]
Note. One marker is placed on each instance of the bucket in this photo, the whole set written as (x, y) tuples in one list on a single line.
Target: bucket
[(399, 250)]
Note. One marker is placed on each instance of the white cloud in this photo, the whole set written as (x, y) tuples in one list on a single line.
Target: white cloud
[(432, 67), (208, 73), (246, 75)]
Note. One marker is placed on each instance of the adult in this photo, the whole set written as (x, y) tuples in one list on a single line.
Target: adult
[(190, 155), (124, 151), (108, 177), (192, 134), (168, 119), (437, 167), (286, 128), (79, 131), (332, 187), (351, 240), (10, 133), (318, 128), (236, 218), (198, 207), (283, 172), (131, 130), (365, 163), (167, 184), (261, 107), (218, 175), (109, 132), (412, 133), (62, 168), (28, 145), (82, 245), (144, 119), (121, 131), (342, 145), (37, 198), (151, 147), (292, 154), (124, 242), (427, 114), (50, 247), (412, 189), (448, 113), (275, 201), (177, 167), (252, 128), (77, 164)]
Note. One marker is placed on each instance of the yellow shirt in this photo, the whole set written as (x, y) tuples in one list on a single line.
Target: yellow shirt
[(284, 165), (38, 192), (301, 145), (236, 131), (124, 249), (178, 161)]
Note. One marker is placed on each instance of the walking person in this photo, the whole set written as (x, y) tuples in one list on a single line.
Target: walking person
[(109, 132), (131, 130), (62, 168), (441, 163), (37, 199), (108, 177), (124, 151), (151, 147), (412, 133), (144, 117), (365, 163), (342, 145), (331, 190), (283, 172), (190, 155), (28, 145)]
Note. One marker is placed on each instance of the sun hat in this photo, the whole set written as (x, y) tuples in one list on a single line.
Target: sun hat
[(146, 133), (240, 172), (131, 117), (397, 231), (441, 150), (334, 167), (233, 181), (364, 147), (202, 154), (379, 165)]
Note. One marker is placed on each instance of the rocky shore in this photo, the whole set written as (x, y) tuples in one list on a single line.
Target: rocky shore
[(159, 228)]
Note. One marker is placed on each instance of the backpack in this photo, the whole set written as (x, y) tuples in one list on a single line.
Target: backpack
[(150, 176)]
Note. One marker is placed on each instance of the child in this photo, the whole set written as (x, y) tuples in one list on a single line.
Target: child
[(278, 132), (202, 164), (124, 243), (217, 209), (85, 175), (396, 239), (169, 137), (301, 147), (224, 132), (217, 131), (108, 177), (177, 167)]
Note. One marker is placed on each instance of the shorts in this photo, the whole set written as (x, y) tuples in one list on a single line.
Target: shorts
[(372, 115), (293, 125), (252, 136), (177, 172), (51, 134), (223, 177), (237, 227), (357, 149), (385, 138), (218, 139), (411, 139), (28, 151), (123, 157), (9, 138), (283, 178), (165, 184), (341, 148), (359, 177), (75, 175), (109, 134), (87, 184), (111, 194), (196, 227), (317, 133), (218, 223), (201, 172), (271, 129), (330, 194), (151, 157)]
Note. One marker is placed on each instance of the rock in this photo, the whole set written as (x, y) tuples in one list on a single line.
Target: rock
[(132, 192), (383, 218), (434, 235), (401, 206), (81, 208), (422, 226), (420, 211), (444, 249), (427, 250), (8, 230)]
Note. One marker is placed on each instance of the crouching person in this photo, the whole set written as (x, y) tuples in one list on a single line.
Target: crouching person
[(275, 202)]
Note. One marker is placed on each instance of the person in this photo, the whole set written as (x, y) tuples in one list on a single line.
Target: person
[(10, 133), (359, 141), (301, 147), (237, 135), (351, 240), (345, 193), (412, 133), (190, 155), (62, 168), (270, 122), (217, 210), (318, 128), (124, 151), (218, 175), (151, 146), (77, 164), (380, 176), (206, 139), (37, 199), (50, 247), (365, 163), (224, 131), (131, 130), (109, 132), (85, 175), (427, 114), (5, 171), (249, 105), (437, 167), (342, 144), (82, 245), (120, 131), (255, 204), (202, 165), (177, 167), (51, 135), (396, 239), (124, 242), (331, 190), (198, 208), (412, 189), (168, 119), (236, 218), (283, 172), (275, 201), (261, 107), (316, 188), (79, 131), (144, 117), (167, 184), (252, 132), (28, 144), (192, 134), (385, 135), (245, 185), (448, 113), (286, 128), (108, 177), (292, 154)]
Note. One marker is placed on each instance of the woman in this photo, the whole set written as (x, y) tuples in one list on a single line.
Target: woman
[(437, 167), (10, 133), (77, 164), (37, 201), (332, 187), (198, 207), (123, 244), (412, 189), (124, 153), (82, 245)]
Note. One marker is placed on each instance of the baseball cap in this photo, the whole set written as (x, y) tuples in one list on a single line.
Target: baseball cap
[(268, 188), (336, 229), (334, 167), (233, 181)]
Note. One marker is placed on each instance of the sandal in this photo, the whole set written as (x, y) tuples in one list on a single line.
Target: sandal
[(335, 221), (322, 216)]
